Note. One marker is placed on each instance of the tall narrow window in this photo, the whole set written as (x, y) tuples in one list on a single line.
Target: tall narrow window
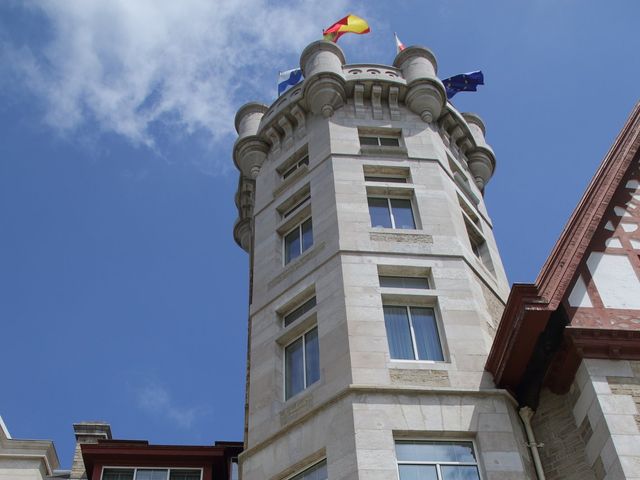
[(436, 461), (301, 363), (391, 213), (298, 240), (412, 333)]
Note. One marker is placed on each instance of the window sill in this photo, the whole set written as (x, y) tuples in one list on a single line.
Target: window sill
[(297, 328), (290, 180), (296, 263), (420, 364), (378, 150)]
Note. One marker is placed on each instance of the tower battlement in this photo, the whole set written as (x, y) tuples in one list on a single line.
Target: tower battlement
[(370, 91), (376, 284)]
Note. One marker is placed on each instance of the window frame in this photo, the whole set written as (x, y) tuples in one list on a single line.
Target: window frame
[(459, 440), (414, 342), (295, 166), (425, 278), (373, 195), (296, 476), (299, 306), (302, 336), (380, 134), (298, 226), (136, 468)]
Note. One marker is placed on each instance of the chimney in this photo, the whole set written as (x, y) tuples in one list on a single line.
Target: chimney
[(87, 432)]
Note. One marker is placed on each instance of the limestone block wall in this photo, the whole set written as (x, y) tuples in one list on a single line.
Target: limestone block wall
[(489, 420), (22, 469), (563, 442), (603, 403), (325, 432)]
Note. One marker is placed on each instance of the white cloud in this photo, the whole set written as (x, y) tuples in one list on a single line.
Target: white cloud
[(156, 400), (185, 66)]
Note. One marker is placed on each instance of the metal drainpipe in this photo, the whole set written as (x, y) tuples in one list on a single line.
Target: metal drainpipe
[(526, 414)]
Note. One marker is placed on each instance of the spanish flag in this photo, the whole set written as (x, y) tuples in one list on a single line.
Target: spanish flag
[(349, 24)]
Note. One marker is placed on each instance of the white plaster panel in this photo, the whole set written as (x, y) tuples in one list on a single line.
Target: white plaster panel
[(617, 283), (621, 212), (579, 296), (613, 243)]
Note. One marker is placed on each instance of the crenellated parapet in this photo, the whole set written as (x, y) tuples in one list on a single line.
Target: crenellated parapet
[(373, 91)]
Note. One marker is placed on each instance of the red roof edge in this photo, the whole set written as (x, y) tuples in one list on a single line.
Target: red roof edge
[(529, 306)]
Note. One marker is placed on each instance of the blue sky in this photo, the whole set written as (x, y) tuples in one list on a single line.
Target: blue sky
[(122, 294)]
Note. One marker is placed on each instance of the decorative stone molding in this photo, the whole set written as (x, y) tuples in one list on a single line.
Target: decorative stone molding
[(249, 153), (426, 95), (287, 128), (394, 110), (328, 84), (301, 121), (376, 101), (242, 233), (358, 100), (274, 138), (248, 118), (321, 64)]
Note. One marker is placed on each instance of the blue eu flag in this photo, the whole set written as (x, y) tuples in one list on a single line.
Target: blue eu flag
[(465, 82)]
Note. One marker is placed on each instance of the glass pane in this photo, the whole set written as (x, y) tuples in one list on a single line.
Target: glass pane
[(379, 212), (184, 475), (304, 161), (294, 373), (426, 331), (435, 452), (289, 171), (117, 474), (418, 472), (404, 282), (369, 141), (292, 245), (402, 214), (389, 142), (148, 474), (307, 235), (299, 312), (396, 321), (317, 472), (461, 472), (312, 356)]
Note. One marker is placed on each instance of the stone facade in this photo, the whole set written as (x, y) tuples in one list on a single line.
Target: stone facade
[(25, 459), (365, 400)]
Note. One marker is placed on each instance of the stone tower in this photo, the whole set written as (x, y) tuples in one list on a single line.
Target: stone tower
[(376, 284)]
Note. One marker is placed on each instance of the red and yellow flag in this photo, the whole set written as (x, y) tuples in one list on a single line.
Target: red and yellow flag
[(349, 24)]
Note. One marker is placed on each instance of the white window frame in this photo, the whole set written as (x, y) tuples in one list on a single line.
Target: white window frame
[(379, 138), (291, 169), (304, 364), (284, 240), (302, 316), (414, 343), (438, 464), (135, 470), (393, 221), (306, 469)]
